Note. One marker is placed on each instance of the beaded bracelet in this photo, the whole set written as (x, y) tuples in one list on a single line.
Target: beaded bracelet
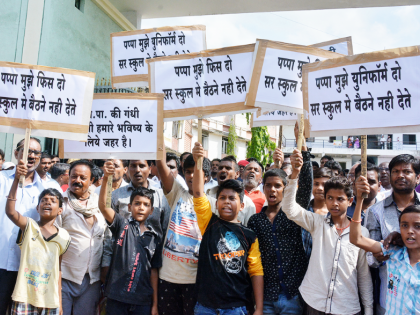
[(356, 221)]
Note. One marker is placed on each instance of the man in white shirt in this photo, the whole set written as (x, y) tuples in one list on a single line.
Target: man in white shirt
[(60, 173), (43, 172), (27, 200)]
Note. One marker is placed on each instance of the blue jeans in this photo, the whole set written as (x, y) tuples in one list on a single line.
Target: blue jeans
[(283, 306), (202, 310), (114, 307)]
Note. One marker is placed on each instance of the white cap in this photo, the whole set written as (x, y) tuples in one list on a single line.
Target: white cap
[(8, 165)]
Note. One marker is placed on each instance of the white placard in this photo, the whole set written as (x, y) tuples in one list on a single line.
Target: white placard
[(121, 127), (354, 97), (277, 75), (45, 99), (274, 118), (342, 45), (131, 49), (207, 84)]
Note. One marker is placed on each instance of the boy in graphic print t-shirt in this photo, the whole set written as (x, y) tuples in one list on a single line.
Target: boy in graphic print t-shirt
[(229, 252), (177, 277)]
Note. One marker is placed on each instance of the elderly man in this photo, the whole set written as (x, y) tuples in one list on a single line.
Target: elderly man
[(383, 216), (81, 263), (252, 178), (27, 200), (229, 169)]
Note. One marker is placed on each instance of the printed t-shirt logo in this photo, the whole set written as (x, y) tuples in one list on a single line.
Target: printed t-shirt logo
[(230, 253)]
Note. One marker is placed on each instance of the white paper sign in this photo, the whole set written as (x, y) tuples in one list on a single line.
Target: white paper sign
[(277, 75), (121, 128), (274, 118), (207, 84), (45, 99), (130, 50), (368, 97), (342, 45)]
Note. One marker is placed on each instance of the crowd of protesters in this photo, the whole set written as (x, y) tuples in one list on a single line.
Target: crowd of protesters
[(231, 237)]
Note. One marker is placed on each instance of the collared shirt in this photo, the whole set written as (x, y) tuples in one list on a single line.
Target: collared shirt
[(135, 255), (27, 200), (381, 221), (337, 270), (257, 197), (158, 220), (212, 183), (403, 283), (51, 183), (85, 250)]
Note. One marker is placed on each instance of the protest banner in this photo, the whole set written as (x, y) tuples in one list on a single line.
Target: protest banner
[(276, 81), (205, 84), (377, 98), (122, 126), (364, 94), (130, 50), (342, 46), (45, 100), (263, 118)]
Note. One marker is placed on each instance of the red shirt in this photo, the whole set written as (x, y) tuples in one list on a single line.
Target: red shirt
[(64, 187), (258, 198)]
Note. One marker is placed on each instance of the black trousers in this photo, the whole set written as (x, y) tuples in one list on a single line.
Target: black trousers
[(7, 284), (176, 299)]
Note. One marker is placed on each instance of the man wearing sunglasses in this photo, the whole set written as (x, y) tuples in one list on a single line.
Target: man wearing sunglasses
[(26, 202)]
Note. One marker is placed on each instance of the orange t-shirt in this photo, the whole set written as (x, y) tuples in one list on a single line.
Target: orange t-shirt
[(258, 198)]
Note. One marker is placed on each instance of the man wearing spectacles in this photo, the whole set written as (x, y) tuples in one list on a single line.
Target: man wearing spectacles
[(26, 202)]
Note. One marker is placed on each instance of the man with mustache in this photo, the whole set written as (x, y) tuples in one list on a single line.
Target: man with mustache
[(383, 216), (27, 199), (138, 171), (229, 169), (252, 178), (86, 225)]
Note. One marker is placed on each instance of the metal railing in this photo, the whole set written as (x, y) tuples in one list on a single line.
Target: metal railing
[(342, 144)]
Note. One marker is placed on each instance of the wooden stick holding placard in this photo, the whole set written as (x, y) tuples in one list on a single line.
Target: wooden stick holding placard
[(200, 140), (364, 159), (280, 144), (300, 134), (109, 191), (25, 154)]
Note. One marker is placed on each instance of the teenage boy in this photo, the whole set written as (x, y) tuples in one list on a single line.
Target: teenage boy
[(177, 277), (38, 284), (334, 288), (132, 280), (229, 252), (317, 205)]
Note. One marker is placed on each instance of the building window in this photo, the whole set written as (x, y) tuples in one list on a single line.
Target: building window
[(224, 145), (79, 4), (205, 142), (409, 139), (177, 129)]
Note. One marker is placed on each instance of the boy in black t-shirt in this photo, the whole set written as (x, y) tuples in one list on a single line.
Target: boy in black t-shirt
[(132, 281), (229, 253)]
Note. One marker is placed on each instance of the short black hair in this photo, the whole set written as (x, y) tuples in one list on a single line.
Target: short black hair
[(183, 154), (149, 162), (99, 163), (405, 159), (171, 156), (256, 161), (45, 155), (2, 154), (370, 167), (189, 162), (315, 163), (275, 172), (329, 158), (323, 172), (409, 209), (51, 192), (232, 159), (142, 192), (234, 185), (83, 162), (216, 159), (338, 183), (59, 169), (21, 142), (287, 155), (333, 165), (97, 174)]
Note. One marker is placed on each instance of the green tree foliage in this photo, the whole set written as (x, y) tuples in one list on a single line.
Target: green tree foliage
[(231, 146), (260, 144)]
